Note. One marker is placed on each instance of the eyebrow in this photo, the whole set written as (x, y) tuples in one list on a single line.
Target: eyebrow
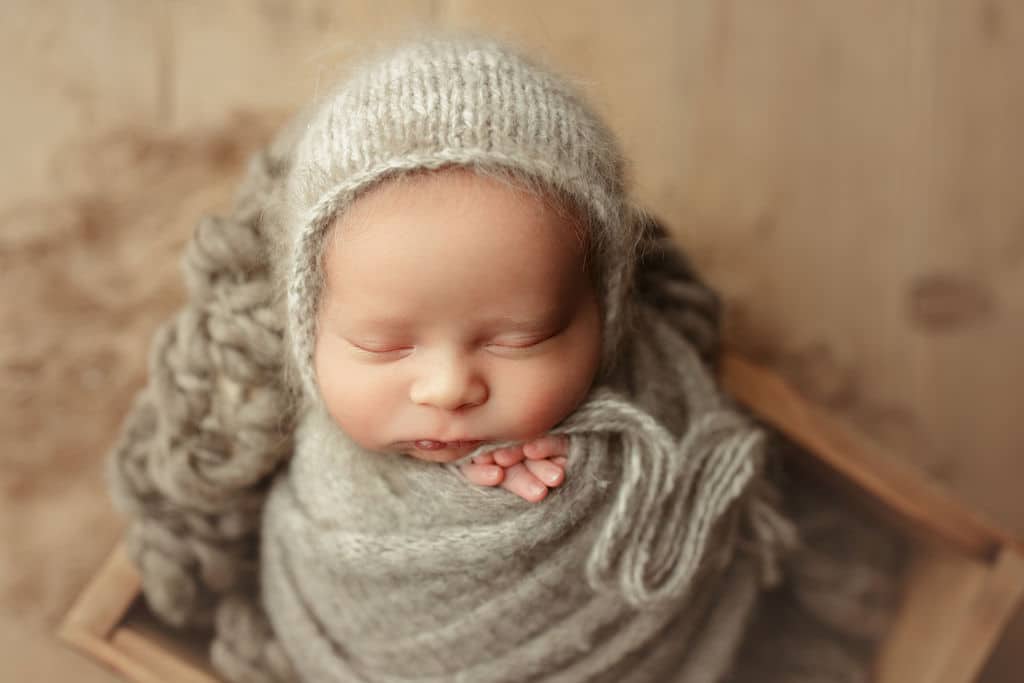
[(504, 321), (528, 324), (384, 323)]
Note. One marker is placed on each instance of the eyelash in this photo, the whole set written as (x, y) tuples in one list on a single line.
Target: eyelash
[(380, 352), (528, 345), (399, 349)]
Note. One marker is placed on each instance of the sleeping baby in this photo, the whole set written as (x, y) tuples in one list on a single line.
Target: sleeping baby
[(501, 454), (459, 259)]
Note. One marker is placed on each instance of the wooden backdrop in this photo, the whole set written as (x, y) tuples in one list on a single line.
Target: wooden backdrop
[(847, 173)]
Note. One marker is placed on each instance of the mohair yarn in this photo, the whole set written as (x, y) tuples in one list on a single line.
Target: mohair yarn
[(646, 565)]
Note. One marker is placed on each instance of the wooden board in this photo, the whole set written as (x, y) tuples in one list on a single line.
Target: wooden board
[(954, 609), (101, 625)]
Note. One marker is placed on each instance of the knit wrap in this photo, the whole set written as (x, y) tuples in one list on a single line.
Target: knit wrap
[(385, 569)]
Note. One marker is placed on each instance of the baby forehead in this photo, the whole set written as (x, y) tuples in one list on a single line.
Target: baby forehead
[(461, 210), (459, 239), (459, 187)]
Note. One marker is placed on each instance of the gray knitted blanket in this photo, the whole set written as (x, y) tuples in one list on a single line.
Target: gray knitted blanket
[(390, 569)]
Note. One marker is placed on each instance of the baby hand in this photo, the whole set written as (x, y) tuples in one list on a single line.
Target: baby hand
[(528, 470)]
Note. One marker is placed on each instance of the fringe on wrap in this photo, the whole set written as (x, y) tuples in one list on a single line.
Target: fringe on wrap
[(216, 423)]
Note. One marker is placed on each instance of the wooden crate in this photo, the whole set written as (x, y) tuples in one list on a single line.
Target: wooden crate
[(964, 580)]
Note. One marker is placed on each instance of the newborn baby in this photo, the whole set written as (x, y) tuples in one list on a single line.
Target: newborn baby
[(456, 311), (460, 260), (505, 456)]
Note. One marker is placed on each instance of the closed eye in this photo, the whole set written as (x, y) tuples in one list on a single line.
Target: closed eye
[(526, 343), (382, 349)]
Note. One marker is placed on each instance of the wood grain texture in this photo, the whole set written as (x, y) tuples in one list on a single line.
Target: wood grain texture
[(846, 173)]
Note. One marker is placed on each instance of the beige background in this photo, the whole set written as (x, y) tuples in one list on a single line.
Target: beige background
[(847, 173)]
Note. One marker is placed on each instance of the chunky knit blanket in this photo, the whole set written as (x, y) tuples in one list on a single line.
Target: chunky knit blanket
[(646, 565)]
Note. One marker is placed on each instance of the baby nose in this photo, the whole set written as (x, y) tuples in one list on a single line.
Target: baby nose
[(449, 385)]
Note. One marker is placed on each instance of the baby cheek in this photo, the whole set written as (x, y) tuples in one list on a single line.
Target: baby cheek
[(537, 413), (558, 383), (350, 399), (544, 399)]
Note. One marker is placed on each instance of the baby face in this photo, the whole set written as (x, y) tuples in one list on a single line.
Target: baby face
[(456, 309)]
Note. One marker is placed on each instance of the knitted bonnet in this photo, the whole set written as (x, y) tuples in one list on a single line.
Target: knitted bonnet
[(463, 102)]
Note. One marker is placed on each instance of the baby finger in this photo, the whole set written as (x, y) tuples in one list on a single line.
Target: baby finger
[(506, 457), (483, 475), (547, 447), (548, 472), (524, 484)]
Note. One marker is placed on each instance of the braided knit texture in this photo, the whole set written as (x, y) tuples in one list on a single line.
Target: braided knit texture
[(193, 461), (312, 559)]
